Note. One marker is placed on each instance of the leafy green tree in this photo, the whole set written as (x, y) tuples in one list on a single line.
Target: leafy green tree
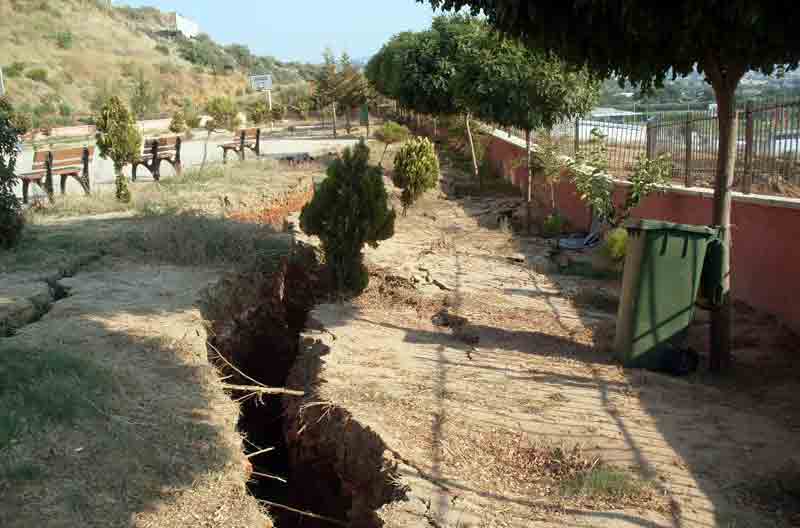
[(509, 84), (222, 115), (354, 88), (11, 219), (389, 134), (643, 42), (416, 170), (178, 123), (328, 85), (349, 209), (258, 112), (120, 140), (419, 70), (145, 96)]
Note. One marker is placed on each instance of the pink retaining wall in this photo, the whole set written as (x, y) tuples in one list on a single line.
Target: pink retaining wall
[(766, 234)]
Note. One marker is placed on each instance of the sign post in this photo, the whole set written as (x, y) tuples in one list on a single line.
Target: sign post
[(263, 83)]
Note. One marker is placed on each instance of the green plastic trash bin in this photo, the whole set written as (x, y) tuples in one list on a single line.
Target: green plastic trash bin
[(663, 268)]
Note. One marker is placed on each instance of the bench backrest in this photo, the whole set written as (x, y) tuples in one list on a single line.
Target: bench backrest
[(250, 134), (164, 145), (62, 158)]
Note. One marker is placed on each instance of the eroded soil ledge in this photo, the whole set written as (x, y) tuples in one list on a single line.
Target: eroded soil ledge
[(332, 466)]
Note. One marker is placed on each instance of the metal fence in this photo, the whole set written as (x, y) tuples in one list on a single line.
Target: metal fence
[(767, 147)]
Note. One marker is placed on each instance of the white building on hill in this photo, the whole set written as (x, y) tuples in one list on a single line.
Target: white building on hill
[(185, 26)]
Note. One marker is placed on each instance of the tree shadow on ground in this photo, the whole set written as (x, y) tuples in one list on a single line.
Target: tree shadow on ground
[(156, 443)]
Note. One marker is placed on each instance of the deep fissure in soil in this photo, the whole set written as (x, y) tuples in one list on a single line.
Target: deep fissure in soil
[(256, 325)]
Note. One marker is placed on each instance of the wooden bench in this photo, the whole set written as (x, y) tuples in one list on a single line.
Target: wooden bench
[(73, 162), (156, 150), (246, 138)]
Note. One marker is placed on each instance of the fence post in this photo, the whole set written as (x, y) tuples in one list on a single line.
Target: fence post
[(747, 178), (577, 134), (651, 140), (688, 176)]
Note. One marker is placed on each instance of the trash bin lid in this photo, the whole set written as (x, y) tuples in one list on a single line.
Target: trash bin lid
[(658, 225)]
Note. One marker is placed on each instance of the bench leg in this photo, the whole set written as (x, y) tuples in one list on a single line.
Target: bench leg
[(64, 184), (156, 170)]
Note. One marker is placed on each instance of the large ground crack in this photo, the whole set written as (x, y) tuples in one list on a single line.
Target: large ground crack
[(306, 455)]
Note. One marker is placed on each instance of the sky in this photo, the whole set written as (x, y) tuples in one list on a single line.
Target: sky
[(301, 29)]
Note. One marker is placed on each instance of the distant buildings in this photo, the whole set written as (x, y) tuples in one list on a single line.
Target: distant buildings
[(185, 26)]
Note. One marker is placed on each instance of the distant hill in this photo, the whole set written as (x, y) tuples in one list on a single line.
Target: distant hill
[(62, 57)]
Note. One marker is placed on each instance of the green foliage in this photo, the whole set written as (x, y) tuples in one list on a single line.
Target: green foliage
[(742, 38), (391, 133), (204, 52), (553, 225), (258, 112), (118, 139), (349, 209), (649, 175), (416, 169), (191, 114), (596, 188), (15, 69), (11, 219), (65, 110), (145, 96), (615, 245), (37, 74), (223, 114), (178, 123), (162, 48), (64, 39), (32, 407)]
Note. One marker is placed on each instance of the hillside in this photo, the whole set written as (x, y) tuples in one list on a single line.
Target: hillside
[(58, 73)]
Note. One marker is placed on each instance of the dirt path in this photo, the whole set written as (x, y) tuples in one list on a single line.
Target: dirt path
[(469, 364)]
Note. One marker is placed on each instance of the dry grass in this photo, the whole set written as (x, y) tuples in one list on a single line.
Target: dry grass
[(105, 48)]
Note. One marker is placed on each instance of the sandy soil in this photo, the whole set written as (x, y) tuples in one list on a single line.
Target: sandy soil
[(460, 352)]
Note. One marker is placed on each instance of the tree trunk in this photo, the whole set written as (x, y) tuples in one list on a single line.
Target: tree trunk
[(724, 84), (205, 152), (347, 125), (472, 150), (334, 120), (529, 190), (721, 328)]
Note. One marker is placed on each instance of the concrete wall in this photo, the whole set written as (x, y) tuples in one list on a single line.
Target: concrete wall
[(766, 232)]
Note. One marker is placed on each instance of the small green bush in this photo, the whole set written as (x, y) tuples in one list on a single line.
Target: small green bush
[(258, 112), (616, 243), (349, 209), (15, 69), (391, 133), (64, 39), (553, 225), (168, 68), (37, 74), (11, 219), (119, 139), (178, 123), (162, 48), (416, 170)]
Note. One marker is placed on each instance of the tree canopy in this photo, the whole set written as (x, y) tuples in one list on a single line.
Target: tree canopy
[(643, 42)]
